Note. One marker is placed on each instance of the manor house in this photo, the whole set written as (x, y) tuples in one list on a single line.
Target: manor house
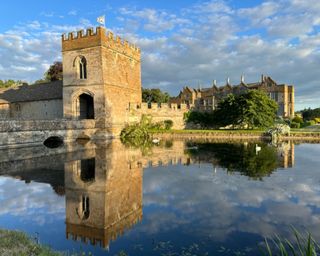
[(101, 89), (207, 99)]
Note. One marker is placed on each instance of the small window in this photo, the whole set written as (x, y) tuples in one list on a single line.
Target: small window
[(85, 208), (18, 107), (83, 68)]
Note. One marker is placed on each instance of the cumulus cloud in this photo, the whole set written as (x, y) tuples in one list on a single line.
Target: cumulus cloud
[(201, 42), (195, 200), (33, 202)]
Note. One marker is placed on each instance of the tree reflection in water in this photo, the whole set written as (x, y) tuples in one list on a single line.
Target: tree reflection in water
[(241, 157)]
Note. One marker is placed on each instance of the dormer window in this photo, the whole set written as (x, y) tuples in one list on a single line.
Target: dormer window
[(83, 68)]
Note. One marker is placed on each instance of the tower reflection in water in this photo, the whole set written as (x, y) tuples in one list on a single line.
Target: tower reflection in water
[(103, 196), (104, 188)]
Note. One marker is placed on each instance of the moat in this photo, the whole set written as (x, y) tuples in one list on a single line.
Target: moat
[(178, 197)]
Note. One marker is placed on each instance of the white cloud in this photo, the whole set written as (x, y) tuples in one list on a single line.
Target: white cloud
[(205, 41), (219, 204), (73, 13)]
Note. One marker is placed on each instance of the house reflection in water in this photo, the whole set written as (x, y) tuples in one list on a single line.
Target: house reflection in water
[(103, 196), (286, 154)]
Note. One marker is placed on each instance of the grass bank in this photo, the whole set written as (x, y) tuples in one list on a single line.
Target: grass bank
[(295, 134), (15, 243)]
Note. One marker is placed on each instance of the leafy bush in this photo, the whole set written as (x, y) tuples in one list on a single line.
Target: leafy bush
[(311, 122), (168, 124), (139, 130), (163, 125), (317, 120), (205, 119), (297, 119), (279, 129), (295, 125), (308, 123)]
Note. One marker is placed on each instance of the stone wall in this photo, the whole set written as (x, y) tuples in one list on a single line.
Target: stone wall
[(4, 110), (37, 110), (160, 112), (19, 133), (32, 110), (113, 76)]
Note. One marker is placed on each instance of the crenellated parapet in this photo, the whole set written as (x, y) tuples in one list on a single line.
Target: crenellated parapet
[(99, 37), (160, 107)]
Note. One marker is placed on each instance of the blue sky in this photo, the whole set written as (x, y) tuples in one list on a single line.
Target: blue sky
[(183, 42)]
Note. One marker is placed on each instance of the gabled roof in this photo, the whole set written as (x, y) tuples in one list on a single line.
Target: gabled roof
[(35, 92)]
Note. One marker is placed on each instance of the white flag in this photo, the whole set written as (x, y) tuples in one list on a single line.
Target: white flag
[(101, 20)]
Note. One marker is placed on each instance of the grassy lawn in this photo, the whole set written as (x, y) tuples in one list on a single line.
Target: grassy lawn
[(304, 131), (14, 243), (209, 131)]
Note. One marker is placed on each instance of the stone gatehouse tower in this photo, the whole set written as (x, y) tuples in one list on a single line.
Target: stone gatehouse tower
[(101, 76)]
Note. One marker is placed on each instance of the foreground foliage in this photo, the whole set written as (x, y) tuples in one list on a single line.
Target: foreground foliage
[(304, 245), (13, 243)]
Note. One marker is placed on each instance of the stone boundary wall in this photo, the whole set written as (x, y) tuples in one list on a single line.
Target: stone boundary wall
[(307, 137), (37, 125), (208, 135), (160, 112), (20, 133)]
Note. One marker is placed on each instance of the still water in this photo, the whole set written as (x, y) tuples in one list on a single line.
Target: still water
[(176, 198)]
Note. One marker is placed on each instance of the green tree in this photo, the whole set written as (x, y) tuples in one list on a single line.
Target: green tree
[(154, 95), (310, 114), (55, 72), (10, 83), (238, 157), (253, 109)]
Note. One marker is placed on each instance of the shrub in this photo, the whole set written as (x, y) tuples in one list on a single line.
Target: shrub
[(295, 125), (205, 119), (297, 119), (317, 120), (279, 129), (309, 123), (168, 124)]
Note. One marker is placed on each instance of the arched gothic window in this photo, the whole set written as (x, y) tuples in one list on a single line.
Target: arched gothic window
[(83, 68)]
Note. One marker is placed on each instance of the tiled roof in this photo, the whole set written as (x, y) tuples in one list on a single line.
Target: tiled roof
[(35, 92)]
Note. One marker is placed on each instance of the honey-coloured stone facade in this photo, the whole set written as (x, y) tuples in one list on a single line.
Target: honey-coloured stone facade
[(113, 76)]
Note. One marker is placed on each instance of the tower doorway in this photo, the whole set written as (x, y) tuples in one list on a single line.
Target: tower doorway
[(86, 107)]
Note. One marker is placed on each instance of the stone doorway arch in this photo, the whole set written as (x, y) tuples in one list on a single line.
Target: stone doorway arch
[(83, 105)]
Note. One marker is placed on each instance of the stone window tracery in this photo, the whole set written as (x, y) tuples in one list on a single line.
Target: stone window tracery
[(83, 68)]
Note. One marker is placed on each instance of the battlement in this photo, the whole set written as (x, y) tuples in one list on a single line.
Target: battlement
[(97, 37), (160, 107), (102, 236)]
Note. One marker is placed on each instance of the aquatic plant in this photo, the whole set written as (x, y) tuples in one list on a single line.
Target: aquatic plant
[(304, 245), (137, 131)]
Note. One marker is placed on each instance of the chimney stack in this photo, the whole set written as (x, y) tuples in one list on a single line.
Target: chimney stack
[(214, 82), (242, 79)]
